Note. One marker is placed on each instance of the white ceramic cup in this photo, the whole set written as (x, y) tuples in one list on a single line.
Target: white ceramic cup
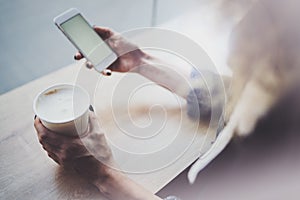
[(63, 108)]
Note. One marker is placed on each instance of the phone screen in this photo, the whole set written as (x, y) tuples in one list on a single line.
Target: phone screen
[(86, 39)]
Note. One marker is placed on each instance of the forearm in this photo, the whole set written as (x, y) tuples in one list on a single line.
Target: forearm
[(174, 78), (117, 186)]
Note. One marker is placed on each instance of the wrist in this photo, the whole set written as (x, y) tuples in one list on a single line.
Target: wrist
[(107, 178), (143, 60), (118, 186)]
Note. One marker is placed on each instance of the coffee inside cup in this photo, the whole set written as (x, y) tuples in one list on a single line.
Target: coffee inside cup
[(62, 104)]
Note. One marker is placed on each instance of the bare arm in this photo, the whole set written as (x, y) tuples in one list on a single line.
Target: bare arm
[(198, 92), (132, 59), (118, 186), (174, 78)]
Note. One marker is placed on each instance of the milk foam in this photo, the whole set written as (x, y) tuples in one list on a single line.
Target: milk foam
[(62, 104)]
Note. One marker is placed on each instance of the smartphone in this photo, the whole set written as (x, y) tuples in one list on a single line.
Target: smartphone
[(82, 35)]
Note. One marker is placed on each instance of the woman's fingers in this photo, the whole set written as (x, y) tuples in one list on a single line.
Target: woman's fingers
[(89, 65), (53, 157), (38, 125), (93, 123), (62, 149), (78, 56), (106, 72), (47, 136), (115, 65), (104, 33)]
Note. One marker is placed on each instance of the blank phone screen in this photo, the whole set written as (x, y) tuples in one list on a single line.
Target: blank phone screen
[(86, 39)]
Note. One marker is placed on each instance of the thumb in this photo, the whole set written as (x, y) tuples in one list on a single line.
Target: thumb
[(104, 33), (93, 123), (115, 66)]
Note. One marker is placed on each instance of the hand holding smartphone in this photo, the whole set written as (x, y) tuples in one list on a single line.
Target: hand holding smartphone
[(82, 35)]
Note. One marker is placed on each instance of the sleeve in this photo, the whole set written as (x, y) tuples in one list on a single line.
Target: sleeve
[(206, 97)]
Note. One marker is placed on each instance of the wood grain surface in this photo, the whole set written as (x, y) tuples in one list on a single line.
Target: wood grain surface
[(26, 172)]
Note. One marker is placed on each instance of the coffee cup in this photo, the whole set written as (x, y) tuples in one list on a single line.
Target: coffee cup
[(63, 108)]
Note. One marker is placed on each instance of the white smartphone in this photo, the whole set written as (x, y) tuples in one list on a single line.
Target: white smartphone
[(85, 39)]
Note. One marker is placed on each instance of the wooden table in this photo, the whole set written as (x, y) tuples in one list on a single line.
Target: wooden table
[(28, 173)]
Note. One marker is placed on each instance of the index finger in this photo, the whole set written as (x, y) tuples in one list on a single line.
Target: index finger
[(48, 136), (78, 56), (39, 126), (93, 123)]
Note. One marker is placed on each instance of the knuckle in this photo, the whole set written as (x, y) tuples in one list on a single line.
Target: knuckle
[(48, 148), (93, 116), (110, 42), (42, 143), (43, 137), (49, 155), (64, 158), (97, 136), (76, 150)]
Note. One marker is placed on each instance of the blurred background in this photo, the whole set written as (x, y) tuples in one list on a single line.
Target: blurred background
[(31, 45)]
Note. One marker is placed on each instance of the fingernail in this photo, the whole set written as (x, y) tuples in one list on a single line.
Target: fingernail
[(89, 65), (34, 116), (91, 108), (108, 72)]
